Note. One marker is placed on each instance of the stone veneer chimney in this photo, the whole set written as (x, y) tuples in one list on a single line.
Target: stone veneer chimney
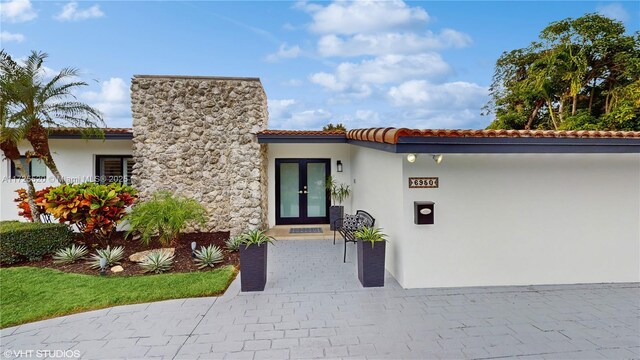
[(196, 136)]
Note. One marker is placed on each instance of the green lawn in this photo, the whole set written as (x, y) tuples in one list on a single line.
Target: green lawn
[(30, 294)]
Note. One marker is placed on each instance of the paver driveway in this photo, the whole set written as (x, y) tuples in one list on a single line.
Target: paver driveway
[(314, 307)]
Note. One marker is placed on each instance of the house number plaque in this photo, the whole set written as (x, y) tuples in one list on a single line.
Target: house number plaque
[(423, 182)]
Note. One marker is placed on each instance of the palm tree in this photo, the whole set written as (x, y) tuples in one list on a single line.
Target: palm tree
[(10, 136), (42, 105)]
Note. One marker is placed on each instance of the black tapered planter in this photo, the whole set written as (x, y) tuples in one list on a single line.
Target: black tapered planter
[(335, 213), (253, 267), (371, 263)]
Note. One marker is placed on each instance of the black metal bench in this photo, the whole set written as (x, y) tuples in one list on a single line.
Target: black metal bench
[(349, 224)]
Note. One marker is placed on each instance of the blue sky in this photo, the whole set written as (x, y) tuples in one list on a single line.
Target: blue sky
[(366, 63)]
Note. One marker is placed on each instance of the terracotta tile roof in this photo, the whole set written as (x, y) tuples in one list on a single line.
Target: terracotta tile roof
[(301, 132), (391, 135), (73, 131)]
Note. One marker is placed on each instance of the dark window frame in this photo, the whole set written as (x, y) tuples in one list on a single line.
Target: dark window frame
[(98, 167), (13, 170)]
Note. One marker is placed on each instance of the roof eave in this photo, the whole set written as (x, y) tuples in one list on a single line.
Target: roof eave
[(300, 139)]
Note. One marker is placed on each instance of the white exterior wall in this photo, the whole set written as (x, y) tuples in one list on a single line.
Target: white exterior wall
[(523, 219), (334, 152), (75, 159), (377, 185)]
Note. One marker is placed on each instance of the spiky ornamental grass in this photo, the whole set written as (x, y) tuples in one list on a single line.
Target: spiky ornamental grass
[(113, 256), (70, 254), (157, 261), (208, 256)]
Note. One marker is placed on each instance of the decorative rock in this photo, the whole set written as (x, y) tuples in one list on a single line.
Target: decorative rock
[(197, 135), (137, 257), (117, 269)]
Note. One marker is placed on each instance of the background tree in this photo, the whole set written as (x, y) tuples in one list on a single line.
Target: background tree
[(581, 73), (336, 127), (10, 136), (42, 105)]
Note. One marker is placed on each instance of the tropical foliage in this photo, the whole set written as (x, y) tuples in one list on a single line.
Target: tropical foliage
[(164, 215), (93, 208), (338, 192), (24, 209), (35, 103), (581, 73)]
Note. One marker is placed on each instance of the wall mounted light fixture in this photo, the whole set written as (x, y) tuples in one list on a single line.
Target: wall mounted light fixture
[(412, 158), (437, 158), (339, 165)]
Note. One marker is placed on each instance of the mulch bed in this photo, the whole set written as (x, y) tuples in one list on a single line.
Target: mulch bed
[(183, 262)]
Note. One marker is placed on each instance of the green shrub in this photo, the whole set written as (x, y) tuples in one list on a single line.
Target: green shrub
[(30, 241), (208, 256), (157, 261), (164, 215)]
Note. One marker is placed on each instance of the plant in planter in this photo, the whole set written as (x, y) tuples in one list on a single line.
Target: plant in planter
[(371, 258), (338, 193), (253, 260)]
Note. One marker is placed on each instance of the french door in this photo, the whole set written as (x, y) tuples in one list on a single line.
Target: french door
[(301, 194)]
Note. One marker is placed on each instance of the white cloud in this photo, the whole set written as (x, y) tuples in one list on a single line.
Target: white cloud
[(71, 12), (15, 11), (285, 52), (614, 11), (356, 78), (447, 96), (279, 108), (6, 36), (367, 16), (390, 43), (306, 119), (113, 101)]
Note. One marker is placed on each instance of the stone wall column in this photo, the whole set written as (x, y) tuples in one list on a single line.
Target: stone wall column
[(196, 137)]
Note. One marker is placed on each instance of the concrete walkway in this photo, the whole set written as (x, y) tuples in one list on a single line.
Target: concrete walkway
[(314, 307)]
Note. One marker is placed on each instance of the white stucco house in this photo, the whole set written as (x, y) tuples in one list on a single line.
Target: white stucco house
[(509, 207)]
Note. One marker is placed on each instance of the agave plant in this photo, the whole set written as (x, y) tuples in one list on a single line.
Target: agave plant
[(70, 254), (157, 261), (113, 256), (208, 256), (233, 243), (256, 237)]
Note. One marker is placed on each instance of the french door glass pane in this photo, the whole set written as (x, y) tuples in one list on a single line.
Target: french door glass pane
[(289, 186), (317, 195)]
